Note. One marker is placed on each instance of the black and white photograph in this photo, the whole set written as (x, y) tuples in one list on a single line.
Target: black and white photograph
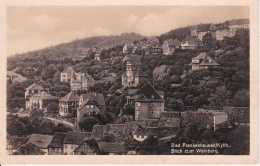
[(128, 80)]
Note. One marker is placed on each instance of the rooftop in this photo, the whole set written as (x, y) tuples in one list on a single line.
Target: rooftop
[(40, 140), (57, 140), (35, 87), (72, 96), (109, 147), (76, 138)]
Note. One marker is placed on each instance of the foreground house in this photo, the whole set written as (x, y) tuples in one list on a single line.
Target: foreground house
[(73, 140), (149, 103), (88, 147), (134, 75), (56, 145), (68, 105), (202, 61), (41, 141), (90, 104)]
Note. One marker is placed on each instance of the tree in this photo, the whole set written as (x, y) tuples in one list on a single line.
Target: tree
[(191, 133), (53, 108), (88, 123), (130, 110)]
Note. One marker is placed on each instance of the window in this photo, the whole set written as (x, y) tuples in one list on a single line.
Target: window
[(87, 106), (56, 149), (65, 147), (71, 147), (138, 104), (92, 106)]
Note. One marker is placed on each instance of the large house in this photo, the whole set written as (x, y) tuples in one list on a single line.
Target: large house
[(67, 75), (55, 147), (148, 102), (41, 141), (190, 42), (203, 29), (68, 105), (32, 96), (73, 140), (90, 103), (170, 45), (82, 82), (134, 75), (202, 61)]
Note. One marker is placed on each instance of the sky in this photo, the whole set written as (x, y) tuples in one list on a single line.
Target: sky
[(32, 28)]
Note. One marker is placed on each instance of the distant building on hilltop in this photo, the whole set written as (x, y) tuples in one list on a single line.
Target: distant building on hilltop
[(203, 29), (202, 61), (134, 75)]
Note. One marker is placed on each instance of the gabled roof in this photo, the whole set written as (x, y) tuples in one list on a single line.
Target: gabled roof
[(148, 93), (30, 149), (88, 102), (57, 140), (11, 74), (205, 60), (109, 147), (134, 59), (40, 140), (206, 27), (99, 131), (190, 39), (35, 87), (97, 97), (68, 70), (92, 144), (76, 138), (72, 96)]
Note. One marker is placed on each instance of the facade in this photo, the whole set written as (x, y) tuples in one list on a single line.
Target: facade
[(190, 42), (90, 104), (134, 75), (41, 141), (32, 96), (68, 105), (56, 145), (88, 147), (73, 140), (82, 83), (148, 102), (67, 75), (202, 61), (203, 29), (169, 46), (226, 32)]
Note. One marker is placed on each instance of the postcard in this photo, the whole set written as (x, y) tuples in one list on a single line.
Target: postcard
[(129, 82)]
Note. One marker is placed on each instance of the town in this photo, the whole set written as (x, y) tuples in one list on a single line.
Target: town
[(137, 98)]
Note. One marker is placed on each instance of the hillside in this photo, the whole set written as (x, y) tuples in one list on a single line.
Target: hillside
[(69, 50)]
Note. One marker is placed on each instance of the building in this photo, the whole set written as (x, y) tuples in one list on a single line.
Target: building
[(90, 103), (14, 77), (238, 24), (88, 147), (13, 144), (134, 75), (225, 32), (128, 48), (41, 141), (170, 45), (203, 29), (67, 75), (148, 102), (73, 140), (190, 42), (82, 83), (55, 147), (153, 50), (68, 105), (110, 148), (202, 61), (32, 96)]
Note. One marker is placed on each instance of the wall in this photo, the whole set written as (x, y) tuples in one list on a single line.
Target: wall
[(69, 148), (85, 110), (196, 118)]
